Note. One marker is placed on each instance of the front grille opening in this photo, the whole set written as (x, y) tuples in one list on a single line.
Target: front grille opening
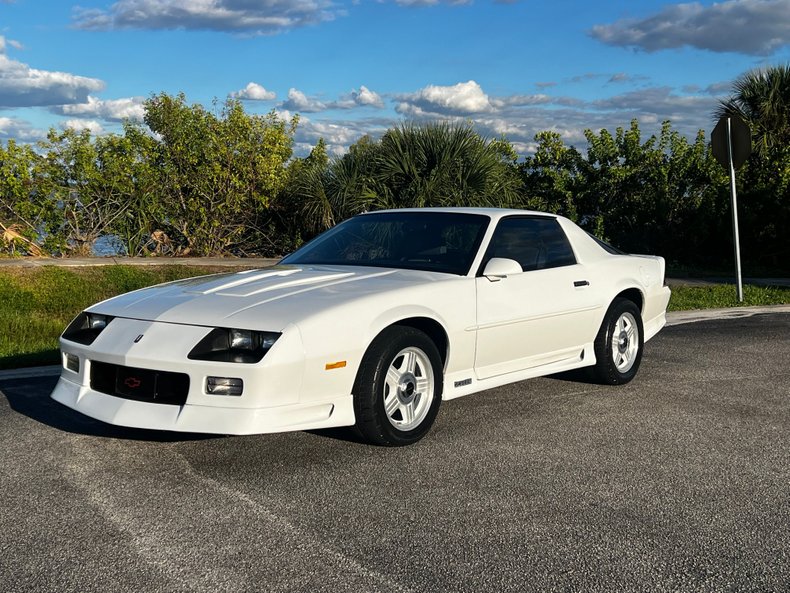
[(147, 385)]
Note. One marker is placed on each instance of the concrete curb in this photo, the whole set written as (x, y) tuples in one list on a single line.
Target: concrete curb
[(230, 262), (673, 318), (28, 373), (681, 317)]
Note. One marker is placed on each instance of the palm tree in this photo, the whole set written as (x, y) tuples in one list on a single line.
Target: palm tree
[(444, 164), (331, 191), (761, 98), (412, 166)]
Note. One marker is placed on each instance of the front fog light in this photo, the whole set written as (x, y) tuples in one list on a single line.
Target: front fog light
[(224, 386), (71, 362)]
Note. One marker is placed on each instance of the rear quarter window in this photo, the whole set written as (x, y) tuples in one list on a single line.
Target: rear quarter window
[(536, 243), (606, 247)]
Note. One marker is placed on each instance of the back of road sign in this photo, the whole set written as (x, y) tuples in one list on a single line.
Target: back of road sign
[(741, 141)]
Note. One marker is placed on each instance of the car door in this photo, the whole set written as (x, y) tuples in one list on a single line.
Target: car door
[(539, 316)]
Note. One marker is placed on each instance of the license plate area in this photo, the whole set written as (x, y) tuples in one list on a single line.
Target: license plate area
[(135, 383), (159, 387)]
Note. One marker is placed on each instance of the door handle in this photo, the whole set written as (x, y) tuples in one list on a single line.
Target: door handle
[(580, 283)]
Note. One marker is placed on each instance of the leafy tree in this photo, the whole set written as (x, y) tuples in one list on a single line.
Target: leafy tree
[(551, 176), (223, 181), (662, 195), (300, 209), (762, 98), (88, 181), (644, 195), (28, 224), (217, 171), (764, 212), (129, 161)]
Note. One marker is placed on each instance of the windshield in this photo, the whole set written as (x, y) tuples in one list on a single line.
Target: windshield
[(434, 241)]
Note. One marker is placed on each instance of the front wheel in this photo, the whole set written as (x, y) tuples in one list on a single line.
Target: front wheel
[(618, 346), (398, 388)]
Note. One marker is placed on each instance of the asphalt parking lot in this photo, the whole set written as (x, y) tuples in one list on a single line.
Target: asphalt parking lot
[(679, 481)]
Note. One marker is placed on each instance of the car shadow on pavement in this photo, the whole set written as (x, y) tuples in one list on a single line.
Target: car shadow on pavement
[(30, 397), (341, 433), (583, 375)]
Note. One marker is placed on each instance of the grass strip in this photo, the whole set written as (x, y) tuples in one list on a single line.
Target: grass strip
[(721, 296), (36, 304)]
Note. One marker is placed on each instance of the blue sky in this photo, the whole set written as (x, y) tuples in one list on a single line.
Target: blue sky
[(350, 68)]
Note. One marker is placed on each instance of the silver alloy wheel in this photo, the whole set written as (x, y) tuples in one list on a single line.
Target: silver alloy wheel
[(408, 388), (625, 342)]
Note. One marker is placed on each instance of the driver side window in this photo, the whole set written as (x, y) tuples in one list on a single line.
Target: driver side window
[(536, 243)]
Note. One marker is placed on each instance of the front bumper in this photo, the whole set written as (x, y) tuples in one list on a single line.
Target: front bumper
[(197, 418), (271, 400)]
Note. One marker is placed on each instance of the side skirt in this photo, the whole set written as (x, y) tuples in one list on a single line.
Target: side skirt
[(464, 383)]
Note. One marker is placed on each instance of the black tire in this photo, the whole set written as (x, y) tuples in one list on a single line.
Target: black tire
[(370, 388), (611, 368)]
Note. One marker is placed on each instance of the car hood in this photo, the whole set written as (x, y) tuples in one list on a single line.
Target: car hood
[(268, 298)]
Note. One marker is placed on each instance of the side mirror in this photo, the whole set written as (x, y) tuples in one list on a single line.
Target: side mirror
[(500, 267)]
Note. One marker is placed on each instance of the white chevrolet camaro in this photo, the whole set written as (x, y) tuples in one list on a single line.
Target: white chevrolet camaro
[(372, 324)]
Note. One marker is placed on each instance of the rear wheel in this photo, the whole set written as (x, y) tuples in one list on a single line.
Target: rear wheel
[(398, 388), (618, 346)]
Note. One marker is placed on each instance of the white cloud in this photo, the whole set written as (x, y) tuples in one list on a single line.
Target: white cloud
[(338, 134), (520, 117), (114, 110), (522, 100), (248, 17), (13, 43), (661, 102), (719, 88), (623, 77), (253, 92), (298, 101), (517, 116), (286, 115), (505, 127), (23, 86), (364, 96), (333, 133), (525, 148), (463, 98), (83, 124), (753, 27), (17, 129)]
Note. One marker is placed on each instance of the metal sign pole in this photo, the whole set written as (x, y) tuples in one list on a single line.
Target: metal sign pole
[(734, 204)]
